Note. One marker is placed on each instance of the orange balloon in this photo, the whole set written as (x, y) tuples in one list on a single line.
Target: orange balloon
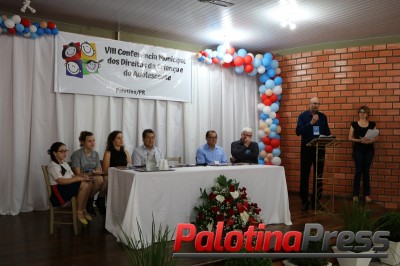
[(230, 50), (238, 61)]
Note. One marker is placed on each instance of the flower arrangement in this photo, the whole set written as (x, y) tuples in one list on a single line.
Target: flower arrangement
[(228, 203)]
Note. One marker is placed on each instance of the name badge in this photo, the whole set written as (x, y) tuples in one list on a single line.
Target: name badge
[(316, 130)]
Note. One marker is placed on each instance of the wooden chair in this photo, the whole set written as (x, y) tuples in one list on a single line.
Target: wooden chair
[(174, 160), (55, 211)]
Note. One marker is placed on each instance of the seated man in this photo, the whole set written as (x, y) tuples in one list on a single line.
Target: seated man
[(139, 154), (245, 150), (210, 153)]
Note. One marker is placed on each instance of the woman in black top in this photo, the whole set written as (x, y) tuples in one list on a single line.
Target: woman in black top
[(116, 154), (363, 152)]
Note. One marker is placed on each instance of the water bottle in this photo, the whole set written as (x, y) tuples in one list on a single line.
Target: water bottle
[(151, 162)]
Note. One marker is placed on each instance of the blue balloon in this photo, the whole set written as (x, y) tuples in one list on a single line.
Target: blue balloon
[(275, 121), (274, 64), (221, 49), (268, 56), (274, 107), (272, 127), (253, 73), (239, 69), (261, 146), (242, 52), (33, 36), (4, 30), (46, 30), (20, 33), (278, 80), (269, 84), (36, 24), (256, 62), (19, 27), (266, 62), (40, 32), (200, 59), (278, 136), (263, 116), (220, 56), (279, 97), (276, 152), (272, 134), (261, 161), (1, 20), (26, 30), (262, 89), (263, 78), (54, 31), (271, 73)]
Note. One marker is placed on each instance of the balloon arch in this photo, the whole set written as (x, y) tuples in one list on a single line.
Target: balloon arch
[(270, 93), (15, 25)]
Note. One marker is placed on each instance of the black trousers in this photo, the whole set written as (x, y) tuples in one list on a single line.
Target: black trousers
[(308, 156), (363, 160)]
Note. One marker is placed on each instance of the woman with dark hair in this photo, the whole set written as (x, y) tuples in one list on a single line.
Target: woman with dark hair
[(363, 152), (65, 185), (87, 160), (115, 154)]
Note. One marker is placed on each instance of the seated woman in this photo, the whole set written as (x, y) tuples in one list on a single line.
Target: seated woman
[(115, 154), (86, 160), (65, 185)]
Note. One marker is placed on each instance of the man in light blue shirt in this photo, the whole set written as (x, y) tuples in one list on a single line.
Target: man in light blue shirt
[(210, 152), (139, 154)]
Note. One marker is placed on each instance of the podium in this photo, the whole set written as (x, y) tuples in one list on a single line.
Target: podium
[(321, 144)]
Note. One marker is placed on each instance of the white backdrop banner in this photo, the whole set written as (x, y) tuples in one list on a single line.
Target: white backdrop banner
[(97, 66)]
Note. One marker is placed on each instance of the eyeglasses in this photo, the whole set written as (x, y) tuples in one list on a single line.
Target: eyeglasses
[(315, 103), (63, 151)]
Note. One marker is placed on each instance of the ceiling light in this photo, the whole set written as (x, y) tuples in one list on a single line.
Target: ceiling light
[(218, 2), (27, 5)]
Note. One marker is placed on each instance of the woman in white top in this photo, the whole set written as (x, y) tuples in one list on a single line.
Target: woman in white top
[(65, 185)]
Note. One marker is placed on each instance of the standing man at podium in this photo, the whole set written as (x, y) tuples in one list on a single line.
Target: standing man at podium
[(310, 125)]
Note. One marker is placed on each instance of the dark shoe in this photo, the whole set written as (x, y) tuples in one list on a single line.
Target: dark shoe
[(90, 208), (101, 204), (304, 206)]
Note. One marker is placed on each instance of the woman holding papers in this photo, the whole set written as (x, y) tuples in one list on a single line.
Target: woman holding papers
[(363, 150)]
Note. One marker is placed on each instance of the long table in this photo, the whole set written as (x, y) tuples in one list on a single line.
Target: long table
[(170, 196)]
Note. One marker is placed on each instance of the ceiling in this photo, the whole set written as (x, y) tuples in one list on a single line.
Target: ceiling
[(250, 24)]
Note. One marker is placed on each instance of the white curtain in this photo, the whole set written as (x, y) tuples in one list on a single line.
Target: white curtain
[(32, 117)]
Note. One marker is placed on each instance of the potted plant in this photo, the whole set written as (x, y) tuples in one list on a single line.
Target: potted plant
[(390, 222), (355, 218)]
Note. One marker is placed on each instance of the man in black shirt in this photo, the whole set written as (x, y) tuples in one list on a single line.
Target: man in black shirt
[(310, 125), (245, 150)]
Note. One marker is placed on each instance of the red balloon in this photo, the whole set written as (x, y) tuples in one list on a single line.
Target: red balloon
[(232, 63), (230, 50), (248, 59), (278, 116), (274, 98), (275, 143), (263, 97), (268, 163), (248, 68), (268, 148), (51, 25), (215, 60), (226, 65), (11, 31), (26, 22), (238, 61), (266, 140), (267, 101)]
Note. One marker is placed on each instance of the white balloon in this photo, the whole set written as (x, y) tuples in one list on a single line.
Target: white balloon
[(268, 121), (228, 58), (259, 56), (276, 161), (267, 110), (9, 23), (32, 28), (260, 107), (268, 92), (278, 70), (27, 35), (261, 134), (272, 115), (16, 19), (261, 69), (277, 90), (252, 56), (198, 55)]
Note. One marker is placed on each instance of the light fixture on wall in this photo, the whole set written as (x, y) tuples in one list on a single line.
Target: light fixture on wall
[(289, 8), (218, 2), (27, 5)]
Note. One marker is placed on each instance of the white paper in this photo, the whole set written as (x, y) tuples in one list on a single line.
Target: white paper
[(371, 133)]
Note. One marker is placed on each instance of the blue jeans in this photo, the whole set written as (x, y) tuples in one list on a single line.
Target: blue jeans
[(363, 160)]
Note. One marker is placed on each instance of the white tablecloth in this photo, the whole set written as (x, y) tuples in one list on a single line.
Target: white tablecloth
[(170, 196)]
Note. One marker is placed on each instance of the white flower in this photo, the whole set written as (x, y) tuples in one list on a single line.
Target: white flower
[(235, 194), (244, 216), (220, 198), (210, 226)]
